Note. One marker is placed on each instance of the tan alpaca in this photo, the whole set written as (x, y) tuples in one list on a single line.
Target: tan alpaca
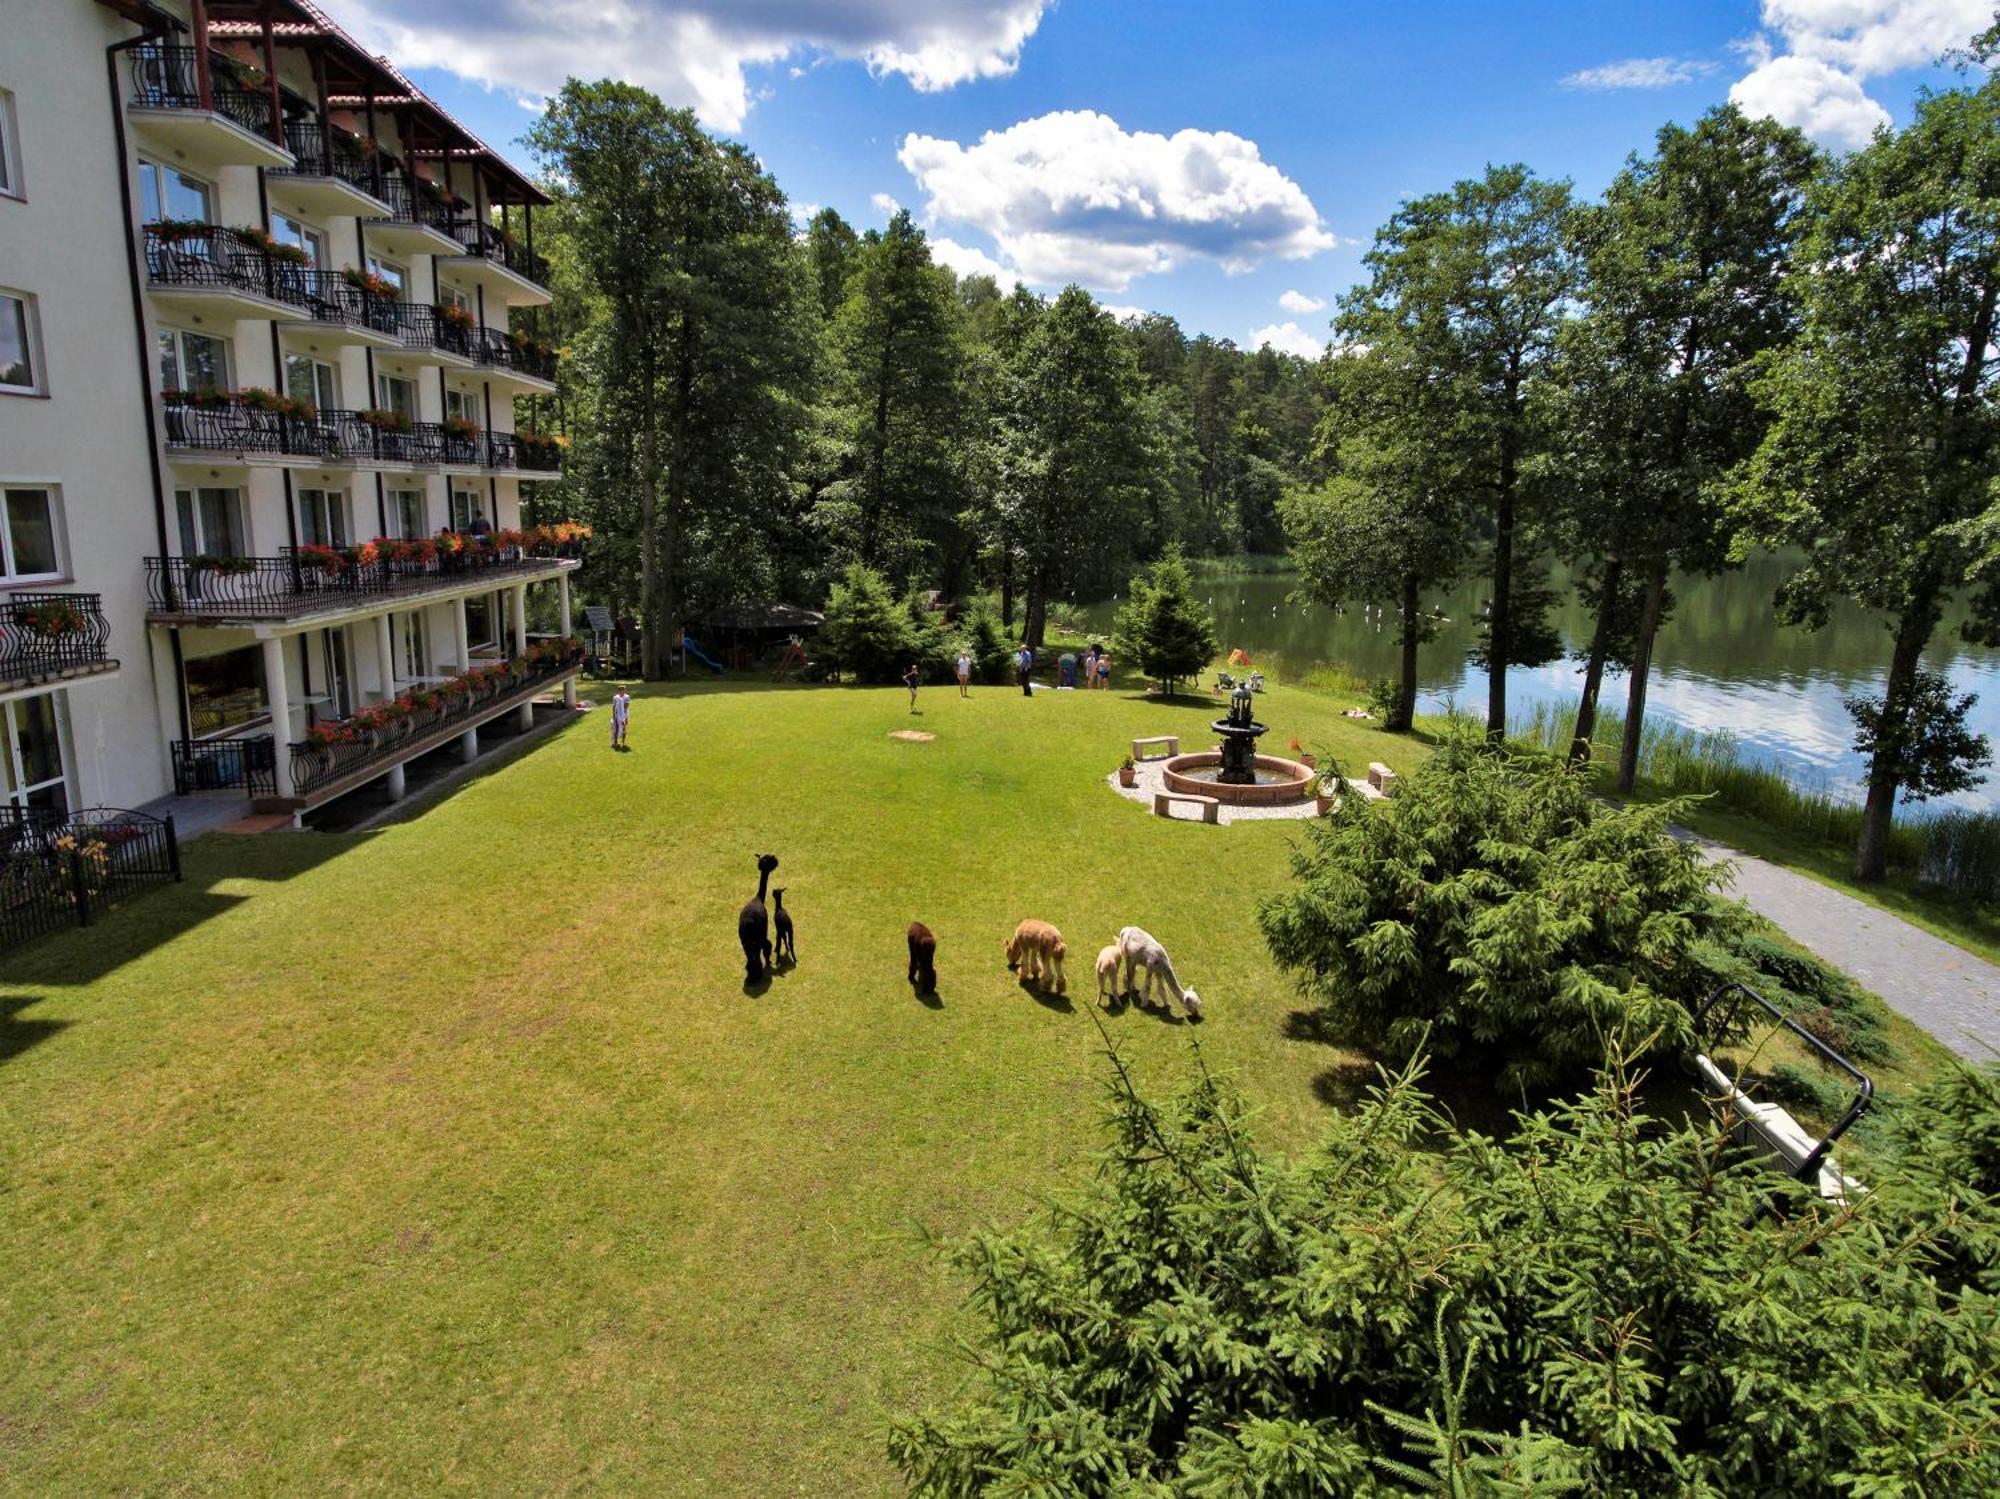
[(1108, 959), (1036, 948)]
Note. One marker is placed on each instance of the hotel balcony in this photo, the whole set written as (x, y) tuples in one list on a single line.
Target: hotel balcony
[(310, 582), (331, 174), (233, 128), (529, 455), (52, 637), (509, 270), (207, 270), (517, 363), (418, 220)]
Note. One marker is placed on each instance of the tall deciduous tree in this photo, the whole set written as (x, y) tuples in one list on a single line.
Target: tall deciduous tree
[(1073, 468), (1685, 261), (1470, 286), (901, 373), (1883, 440), (686, 254)]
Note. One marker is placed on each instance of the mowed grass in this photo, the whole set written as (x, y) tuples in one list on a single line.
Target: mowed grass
[(454, 1157)]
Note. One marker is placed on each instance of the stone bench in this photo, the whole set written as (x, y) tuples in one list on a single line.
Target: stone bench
[(1382, 778), (1171, 741), (1163, 801)]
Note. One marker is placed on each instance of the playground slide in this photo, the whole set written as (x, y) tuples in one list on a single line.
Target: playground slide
[(698, 654)]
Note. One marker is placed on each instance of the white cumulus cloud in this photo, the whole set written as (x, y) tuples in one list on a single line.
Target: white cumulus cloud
[(1641, 72), (694, 52), (1809, 65), (969, 260), (1298, 301), (885, 205), (1288, 338), (1072, 196)]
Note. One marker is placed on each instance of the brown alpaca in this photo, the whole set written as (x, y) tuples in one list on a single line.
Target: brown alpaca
[(1036, 948), (923, 958)]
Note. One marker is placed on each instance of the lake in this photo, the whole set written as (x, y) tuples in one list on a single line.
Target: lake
[(1721, 662)]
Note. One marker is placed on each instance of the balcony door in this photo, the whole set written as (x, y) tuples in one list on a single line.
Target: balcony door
[(192, 361), (394, 393), (211, 522), (413, 647), (287, 230), (335, 661), (467, 506), (314, 381), (406, 508), (323, 517), (168, 193), (34, 755)]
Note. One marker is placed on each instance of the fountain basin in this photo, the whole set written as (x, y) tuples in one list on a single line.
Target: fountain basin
[(1278, 780)]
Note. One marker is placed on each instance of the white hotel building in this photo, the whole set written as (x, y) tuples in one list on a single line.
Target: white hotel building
[(261, 304)]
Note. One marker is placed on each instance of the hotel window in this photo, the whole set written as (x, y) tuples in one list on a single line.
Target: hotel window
[(467, 506), (211, 522), (479, 621), (225, 691), (396, 275), (168, 193), (459, 403), (17, 346), (313, 381), (28, 545), (394, 393), (323, 517), (451, 296), (406, 506), (413, 655), (192, 361), (31, 759), (287, 230), (10, 159)]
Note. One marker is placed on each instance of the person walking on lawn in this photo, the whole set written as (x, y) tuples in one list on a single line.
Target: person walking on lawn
[(911, 679), (621, 713)]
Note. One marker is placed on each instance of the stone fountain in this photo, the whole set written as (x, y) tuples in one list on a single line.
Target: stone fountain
[(1239, 731)]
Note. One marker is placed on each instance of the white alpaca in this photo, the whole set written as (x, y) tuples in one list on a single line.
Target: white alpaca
[(1108, 960), (1141, 949)]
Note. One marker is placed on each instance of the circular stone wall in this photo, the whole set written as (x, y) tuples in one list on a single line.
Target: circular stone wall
[(1291, 781)]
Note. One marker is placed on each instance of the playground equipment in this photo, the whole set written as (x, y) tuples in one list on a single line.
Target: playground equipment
[(690, 648), (794, 658)]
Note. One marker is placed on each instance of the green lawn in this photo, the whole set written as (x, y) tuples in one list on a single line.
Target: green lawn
[(455, 1156)]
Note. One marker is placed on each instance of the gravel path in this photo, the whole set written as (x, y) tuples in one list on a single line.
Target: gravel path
[(1945, 989)]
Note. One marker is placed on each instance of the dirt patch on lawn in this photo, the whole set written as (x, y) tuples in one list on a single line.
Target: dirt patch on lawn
[(912, 736)]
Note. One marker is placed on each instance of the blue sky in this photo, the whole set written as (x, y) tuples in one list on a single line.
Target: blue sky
[(1199, 157)]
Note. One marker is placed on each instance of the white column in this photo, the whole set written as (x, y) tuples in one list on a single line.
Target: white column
[(525, 714), (461, 638), (280, 693), (562, 594), (395, 783), (385, 655)]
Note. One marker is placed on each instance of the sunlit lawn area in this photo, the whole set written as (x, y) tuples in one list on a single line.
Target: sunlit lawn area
[(456, 1157)]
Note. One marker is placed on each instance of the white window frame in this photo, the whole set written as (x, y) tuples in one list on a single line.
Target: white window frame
[(167, 330), (325, 380), (413, 644), (478, 506), (9, 578), (10, 149), (461, 403), (383, 384), (325, 511), (192, 521), (395, 272), (17, 791), (304, 236), (148, 164), (31, 332), (404, 530)]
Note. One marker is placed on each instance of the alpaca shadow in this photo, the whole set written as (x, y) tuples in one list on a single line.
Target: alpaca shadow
[(1166, 1014), (758, 986), (930, 999), (782, 966), (1048, 999)]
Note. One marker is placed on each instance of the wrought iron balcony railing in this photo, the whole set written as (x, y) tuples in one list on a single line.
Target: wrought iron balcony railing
[(330, 153), (215, 257), (510, 450), (362, 742), (308, 580), (249, 762), (166, 76), (512, 352), (503, 249), (415, 201), (44, 636), (422, 326)]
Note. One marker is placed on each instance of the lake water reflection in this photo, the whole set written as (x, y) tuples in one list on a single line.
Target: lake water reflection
[(1722, 662)]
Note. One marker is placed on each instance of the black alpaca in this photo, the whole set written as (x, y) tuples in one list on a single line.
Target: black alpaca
[(753, 928), (923, 958), (788, 947)]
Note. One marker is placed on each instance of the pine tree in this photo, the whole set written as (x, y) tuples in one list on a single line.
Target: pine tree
[(1161, 628)]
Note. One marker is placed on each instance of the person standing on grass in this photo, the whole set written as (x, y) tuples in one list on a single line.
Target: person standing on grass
[(1104, 670), (964, 674), (1090, 666), (621, 713), (1024, 660), (910, 680)]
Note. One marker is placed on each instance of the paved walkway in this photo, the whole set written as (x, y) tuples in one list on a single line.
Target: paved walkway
[(1945, 989)]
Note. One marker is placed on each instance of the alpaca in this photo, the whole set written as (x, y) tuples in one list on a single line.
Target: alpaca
[(788, 947), (1108, 959), (1142, 950), (923, 958), (1036, 948), (753, 929)]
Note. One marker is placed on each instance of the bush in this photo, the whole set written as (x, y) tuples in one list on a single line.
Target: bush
[(1822, 999), (1499, 908), (1161, 629), (1602, 1305), (983, 639), (928, 641), (866, 633)]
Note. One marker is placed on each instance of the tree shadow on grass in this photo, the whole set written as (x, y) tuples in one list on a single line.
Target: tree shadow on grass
[(16, 1035)]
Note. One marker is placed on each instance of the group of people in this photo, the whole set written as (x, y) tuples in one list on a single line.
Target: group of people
[(1096, 666)]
